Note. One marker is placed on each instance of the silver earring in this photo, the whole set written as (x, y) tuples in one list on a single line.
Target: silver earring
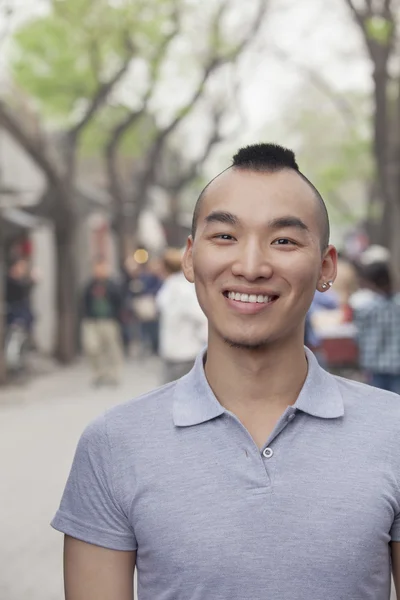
[(324, 286), (330, 283)]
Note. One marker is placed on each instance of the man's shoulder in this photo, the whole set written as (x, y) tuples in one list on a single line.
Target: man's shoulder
[(369, 402), (146, 414)]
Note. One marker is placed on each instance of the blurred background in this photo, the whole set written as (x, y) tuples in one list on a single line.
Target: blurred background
[(113, 116)]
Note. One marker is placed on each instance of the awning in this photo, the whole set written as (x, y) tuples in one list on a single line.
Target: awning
[(20, 218)]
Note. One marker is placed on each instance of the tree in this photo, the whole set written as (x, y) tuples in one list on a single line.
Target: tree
[(338, 162), (129, 200), (69, 63), (377, 23), (177, 172)]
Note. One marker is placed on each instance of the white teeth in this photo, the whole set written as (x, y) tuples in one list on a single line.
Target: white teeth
[(253, 298)]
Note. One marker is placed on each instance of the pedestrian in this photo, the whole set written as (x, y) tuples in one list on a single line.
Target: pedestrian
[(101, 326), (183, 325), (20, 282), (258, 475), (378, 329), (346, 281), (129, 327), (364, 294), (144, 305)]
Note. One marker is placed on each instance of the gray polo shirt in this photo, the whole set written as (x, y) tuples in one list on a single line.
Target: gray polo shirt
[(178, 478)]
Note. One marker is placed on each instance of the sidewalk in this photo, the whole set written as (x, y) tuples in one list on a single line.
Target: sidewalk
[(40, 424)]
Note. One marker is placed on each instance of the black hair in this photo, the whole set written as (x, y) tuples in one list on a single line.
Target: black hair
[(378, 274), (268, 158)]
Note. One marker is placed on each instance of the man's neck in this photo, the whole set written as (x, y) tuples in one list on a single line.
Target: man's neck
[(267, 379)]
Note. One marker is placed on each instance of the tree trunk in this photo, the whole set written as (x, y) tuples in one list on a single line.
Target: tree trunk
[(3, 366), (395, 244), (174, 208), (385, 226), (119, 230), (381, 138), (394, 174), (67, 296), (126, 234)]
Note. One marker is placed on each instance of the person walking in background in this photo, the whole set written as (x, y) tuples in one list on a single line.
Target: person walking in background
[(19, 284), (312, 338), (129, 323), (101, 327), (147, 286), (346, 282), (183, 325), (378, 329)]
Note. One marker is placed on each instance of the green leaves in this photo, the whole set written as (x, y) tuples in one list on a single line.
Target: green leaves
[(134, 143), (379, 29), (62, 59), (334, 151)]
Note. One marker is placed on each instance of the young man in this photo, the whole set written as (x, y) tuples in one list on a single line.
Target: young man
[(258, 475)]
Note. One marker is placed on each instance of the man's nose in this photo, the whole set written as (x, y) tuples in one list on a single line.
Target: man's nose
[(252, 262)]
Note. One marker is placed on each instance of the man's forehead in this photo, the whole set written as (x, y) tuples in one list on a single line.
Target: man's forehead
[(244, 187)]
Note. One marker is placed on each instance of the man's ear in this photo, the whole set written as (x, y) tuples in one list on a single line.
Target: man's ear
[(328, 268), (187, 260)]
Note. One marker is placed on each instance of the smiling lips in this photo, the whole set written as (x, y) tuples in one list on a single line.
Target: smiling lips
[(252, 298), (248, 303)]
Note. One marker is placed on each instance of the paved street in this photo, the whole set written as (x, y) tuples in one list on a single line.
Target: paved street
[(39, 428)]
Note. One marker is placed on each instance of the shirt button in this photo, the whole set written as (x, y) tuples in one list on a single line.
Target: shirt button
[(268, 452), (291, 417)]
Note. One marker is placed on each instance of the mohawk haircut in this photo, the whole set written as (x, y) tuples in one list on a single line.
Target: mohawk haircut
[(260, 157), (268, 158)]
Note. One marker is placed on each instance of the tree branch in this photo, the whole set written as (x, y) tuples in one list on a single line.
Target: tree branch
[(255, 26), (8, 12), (146, 177), (94, 58), (379, 52), (338, 100), (35, 150), (134, 116), (339, 205), (191, 172), (358, 14), (211, 65), (102, 94)]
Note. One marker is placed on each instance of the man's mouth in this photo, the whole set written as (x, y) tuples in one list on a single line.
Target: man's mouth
[(249, 298)]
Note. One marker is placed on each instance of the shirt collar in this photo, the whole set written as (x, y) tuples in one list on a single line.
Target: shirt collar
[(195, 402)]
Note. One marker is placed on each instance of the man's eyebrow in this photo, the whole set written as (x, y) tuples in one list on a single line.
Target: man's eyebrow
[(288, 222), (222, 217), (276, 224)]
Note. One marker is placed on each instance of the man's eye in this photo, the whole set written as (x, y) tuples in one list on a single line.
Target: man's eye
[(284, 242), (223, 236)]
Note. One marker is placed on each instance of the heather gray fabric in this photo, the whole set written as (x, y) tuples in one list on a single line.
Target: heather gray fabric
[(175, 476)]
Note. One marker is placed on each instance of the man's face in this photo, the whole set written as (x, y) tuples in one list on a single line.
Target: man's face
[(256, 258), (20, 269), (101, 270)]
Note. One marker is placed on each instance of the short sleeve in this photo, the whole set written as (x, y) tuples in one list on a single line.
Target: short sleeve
[(89, 509), (395, 530)]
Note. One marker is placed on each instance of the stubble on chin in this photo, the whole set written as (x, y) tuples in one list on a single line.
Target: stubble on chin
[(247, 345)]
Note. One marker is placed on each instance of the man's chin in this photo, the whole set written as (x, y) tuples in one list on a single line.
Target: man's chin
[(247, 344)]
